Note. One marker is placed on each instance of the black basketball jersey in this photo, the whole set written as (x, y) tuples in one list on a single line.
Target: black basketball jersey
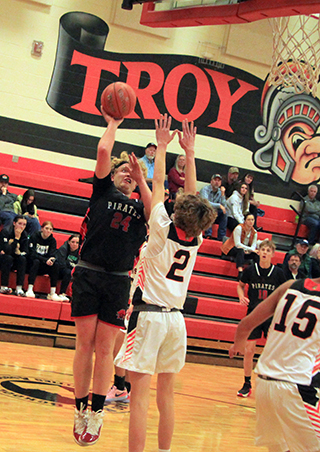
[(113, 228), (262, 282)]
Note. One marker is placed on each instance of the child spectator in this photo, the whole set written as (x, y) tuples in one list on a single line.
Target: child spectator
[(67, 257), (13, 252), (42, 257), (176, 175), (25, 205)]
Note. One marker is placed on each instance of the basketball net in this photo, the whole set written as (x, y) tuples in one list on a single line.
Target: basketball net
[(296, 53)]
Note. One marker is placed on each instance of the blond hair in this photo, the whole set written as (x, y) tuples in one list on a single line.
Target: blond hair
[(116, 162), (193, 214), (269, 243)]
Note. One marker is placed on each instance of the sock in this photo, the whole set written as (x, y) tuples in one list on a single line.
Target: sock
[(128, 386), (247, 380), (30, 287), (119, 382), (164, 450), (83, 401), (97, 402), (3, 287), (19, 288), (52, 290)]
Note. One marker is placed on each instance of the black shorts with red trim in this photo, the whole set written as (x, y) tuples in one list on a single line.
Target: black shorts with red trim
[(100, 293)]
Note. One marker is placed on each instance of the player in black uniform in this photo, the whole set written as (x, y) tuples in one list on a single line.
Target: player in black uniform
[(113, 229), (262, 279)]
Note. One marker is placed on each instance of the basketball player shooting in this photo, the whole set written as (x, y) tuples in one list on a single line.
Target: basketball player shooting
[(156, 338), (287, 398)]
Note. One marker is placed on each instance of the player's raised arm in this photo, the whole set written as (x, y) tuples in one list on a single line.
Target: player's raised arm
[(164, 137), (187, 141), (259, 315), (105, 146)]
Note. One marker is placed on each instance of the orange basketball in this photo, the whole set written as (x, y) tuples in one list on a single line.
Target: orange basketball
[(118, 100)]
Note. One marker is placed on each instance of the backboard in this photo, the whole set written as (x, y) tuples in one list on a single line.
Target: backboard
[(217, 12)]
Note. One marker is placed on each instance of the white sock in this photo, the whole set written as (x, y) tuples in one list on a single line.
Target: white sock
[(19, 288), (52, 290), (4, 287), (30, 287), (164, 450)]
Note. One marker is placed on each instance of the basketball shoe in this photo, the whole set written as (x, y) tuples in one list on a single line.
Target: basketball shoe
[(80, 423), (92, 431), (116, 395), (245, 391)]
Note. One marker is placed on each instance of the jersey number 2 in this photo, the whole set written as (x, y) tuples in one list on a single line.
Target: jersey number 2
[(178, 265), (118, 221), (302, 314)]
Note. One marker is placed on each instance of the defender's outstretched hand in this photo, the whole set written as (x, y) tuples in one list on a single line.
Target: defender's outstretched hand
[(187, 136), (163, 125), (135, 168)]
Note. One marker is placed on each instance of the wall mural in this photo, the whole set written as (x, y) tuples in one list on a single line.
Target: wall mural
[(276, 125)]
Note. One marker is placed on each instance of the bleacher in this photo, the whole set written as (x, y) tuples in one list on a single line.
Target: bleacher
[(212, 311)]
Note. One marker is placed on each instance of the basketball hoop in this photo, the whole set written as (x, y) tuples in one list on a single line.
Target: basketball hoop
[(296, 53)]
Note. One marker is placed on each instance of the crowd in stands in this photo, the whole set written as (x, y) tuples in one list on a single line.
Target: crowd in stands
[(30, 248)]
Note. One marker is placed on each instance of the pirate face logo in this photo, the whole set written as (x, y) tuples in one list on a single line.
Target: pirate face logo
[(289, 134), (303, 146)]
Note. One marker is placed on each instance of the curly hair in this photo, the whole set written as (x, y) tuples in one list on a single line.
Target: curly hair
[(124, 158), (193, 214)]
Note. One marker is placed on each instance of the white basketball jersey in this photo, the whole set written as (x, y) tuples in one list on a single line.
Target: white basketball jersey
[(292, 349), (167, 262)]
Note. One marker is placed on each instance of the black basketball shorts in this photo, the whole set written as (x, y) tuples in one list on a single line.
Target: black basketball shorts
[(100, 293)]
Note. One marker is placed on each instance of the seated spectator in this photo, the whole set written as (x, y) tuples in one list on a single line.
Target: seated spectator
[(315, 260), (42, 260), (176, 176), (292, 270), (237, 206), (253, 204), (242, 244), (148, 160), (7, 200), (13, 252), (230, 182), (214, 193), (67, 257), (25, 205), (302, 247), (311, 214)]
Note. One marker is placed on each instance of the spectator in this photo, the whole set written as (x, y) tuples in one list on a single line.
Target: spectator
[(292, 270), (315, 260), (42, 257), (253, 204), (237, 206), (148, 160), (214, 193), (13, 252), (7, 200), (25, 205), (311, 213), (242, 244), (176, 176), (67, 257), (302, 247), (230, 181)]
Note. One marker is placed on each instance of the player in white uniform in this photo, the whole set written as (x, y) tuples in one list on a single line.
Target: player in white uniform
[(287, 399), (156, 337)]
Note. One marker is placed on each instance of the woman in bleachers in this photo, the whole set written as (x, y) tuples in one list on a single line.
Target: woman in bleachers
[(253, 203), (25, 205), (242, 244), (176, 176), (67, 257), (42, 260), (237, 206)]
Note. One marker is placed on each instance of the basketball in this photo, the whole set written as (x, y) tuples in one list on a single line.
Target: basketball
[(118, 100)]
